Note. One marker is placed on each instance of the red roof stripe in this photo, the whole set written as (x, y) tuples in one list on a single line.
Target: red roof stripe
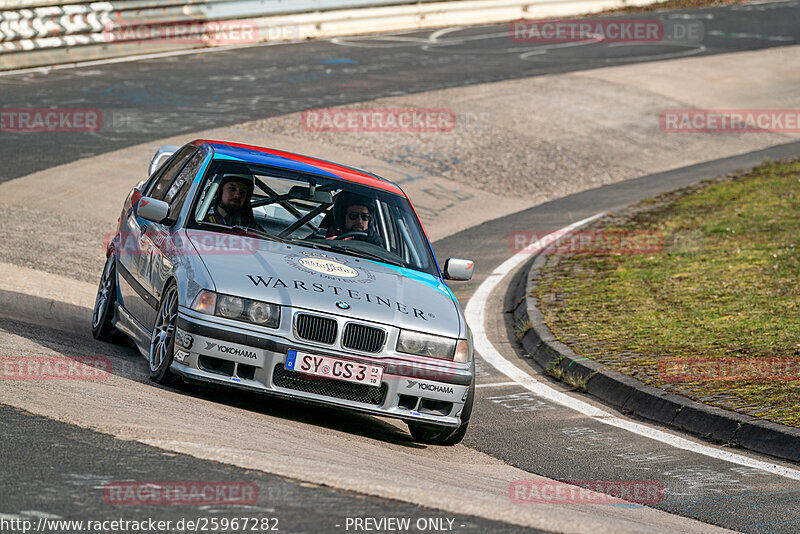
[(417, 215), (351, 175)]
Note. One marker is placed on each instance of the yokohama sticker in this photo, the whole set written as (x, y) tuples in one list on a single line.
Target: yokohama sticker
[(433, 390), (235, 351)]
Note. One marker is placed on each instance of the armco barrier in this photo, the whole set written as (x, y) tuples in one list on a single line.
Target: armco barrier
[(42, 32)]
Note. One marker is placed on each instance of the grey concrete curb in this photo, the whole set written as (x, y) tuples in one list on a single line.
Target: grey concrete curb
[(632, 396), (46, 312)]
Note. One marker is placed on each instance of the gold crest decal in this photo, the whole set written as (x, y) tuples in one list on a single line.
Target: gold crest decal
[(329, 267)]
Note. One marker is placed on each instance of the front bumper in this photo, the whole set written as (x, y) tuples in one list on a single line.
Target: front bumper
[(422, 391)]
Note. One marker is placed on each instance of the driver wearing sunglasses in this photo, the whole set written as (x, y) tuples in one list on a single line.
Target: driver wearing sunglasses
[(354, 219)]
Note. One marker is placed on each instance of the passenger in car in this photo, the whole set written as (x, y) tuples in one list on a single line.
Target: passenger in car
[(232, 205)]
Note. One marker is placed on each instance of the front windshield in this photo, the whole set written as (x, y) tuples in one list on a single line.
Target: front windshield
[(314, 211)]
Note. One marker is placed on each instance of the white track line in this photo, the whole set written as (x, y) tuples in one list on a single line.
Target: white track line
[(44, 69), (497, 384), (476, 317)]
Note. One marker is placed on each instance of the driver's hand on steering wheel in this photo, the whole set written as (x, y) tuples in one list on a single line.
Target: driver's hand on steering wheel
[(346, 236)]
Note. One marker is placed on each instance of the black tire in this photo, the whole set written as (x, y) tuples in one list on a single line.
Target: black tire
[(437, 435), (103, 311), (162, 339)]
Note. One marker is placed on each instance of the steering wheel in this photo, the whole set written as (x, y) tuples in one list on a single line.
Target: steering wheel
[(351, 234)]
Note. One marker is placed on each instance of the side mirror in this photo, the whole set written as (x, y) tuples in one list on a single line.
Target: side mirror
[(162, 155), (152, 209), (456, 269)]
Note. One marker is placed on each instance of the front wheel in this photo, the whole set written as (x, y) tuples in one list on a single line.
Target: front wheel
[(437, 435), (162, 340), (103, 311)]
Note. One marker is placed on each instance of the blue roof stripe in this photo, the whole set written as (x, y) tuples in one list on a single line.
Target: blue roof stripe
[(202, 171), (253, 156)]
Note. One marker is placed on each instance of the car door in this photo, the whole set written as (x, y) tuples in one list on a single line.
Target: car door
[(136, 245), (160, 238)]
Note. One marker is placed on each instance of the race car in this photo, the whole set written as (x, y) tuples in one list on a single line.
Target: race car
[(283, 274)]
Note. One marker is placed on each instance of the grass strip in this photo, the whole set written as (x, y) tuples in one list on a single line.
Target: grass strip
[(724, 288)]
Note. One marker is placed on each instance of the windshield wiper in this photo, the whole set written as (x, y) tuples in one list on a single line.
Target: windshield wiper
[(246, 230), (348, 250), (312, 244), (371, 256), (255, 231)]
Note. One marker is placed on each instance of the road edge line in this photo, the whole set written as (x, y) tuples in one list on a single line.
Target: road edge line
[(631, 395), (476, 317)]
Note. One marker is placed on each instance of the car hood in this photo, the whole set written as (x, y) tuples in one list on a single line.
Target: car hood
[(325, 281)]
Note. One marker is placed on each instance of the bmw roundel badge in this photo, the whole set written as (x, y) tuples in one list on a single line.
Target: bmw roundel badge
[(342, 305)]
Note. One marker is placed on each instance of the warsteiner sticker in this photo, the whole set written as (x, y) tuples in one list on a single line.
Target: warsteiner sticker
[(272, 282), (329, 267)]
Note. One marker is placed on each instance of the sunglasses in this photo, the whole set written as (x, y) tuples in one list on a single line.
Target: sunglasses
[(353, 215)]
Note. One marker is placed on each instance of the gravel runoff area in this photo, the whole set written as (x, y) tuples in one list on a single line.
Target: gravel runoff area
[(704, 305), (547, 137)]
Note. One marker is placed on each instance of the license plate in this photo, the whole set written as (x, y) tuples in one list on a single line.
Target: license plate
[(334, 368)]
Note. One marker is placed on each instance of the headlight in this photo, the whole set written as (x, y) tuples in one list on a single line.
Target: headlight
[(264, 314), (240, 309), (426, 345), (230, 307)]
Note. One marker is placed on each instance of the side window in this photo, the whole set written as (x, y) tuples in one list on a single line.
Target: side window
[(176, 195), (387, 227), (163, 182)]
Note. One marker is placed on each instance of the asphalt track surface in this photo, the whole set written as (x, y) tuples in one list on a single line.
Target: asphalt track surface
[(188, 93), (158, 98), (69, 489), (543, 437)]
